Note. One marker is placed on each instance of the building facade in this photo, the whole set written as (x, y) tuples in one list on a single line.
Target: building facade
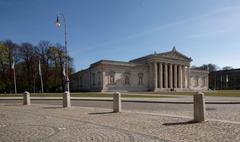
[(225, 80), (168, 71)]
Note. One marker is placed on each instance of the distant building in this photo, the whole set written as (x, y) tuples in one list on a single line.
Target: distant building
[(156, 72), (225, 80)]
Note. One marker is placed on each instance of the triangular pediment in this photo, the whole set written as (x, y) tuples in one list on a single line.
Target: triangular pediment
[(174, 54), (171, 55)]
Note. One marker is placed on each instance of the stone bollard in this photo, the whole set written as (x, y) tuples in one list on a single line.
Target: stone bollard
[(199, 107), (26, 98), (117, 105), (66, 99)]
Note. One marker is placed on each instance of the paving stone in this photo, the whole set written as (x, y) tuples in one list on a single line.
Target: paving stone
[(48, 123)]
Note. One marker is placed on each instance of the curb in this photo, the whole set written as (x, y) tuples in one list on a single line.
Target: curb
[(123, 100)]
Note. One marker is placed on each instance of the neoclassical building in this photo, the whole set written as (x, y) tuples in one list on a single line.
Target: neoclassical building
[(168, 71)]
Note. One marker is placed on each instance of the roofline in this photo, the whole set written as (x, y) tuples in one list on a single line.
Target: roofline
[(199, 70), (141, 58), (112, 62), (80, 71), (151, 55), (227, 70)]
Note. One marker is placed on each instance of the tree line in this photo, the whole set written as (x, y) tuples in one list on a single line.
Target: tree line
[(25, 59), (212, 67)]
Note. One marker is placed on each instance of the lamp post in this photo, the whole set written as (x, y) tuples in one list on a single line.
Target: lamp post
[(58, 24)]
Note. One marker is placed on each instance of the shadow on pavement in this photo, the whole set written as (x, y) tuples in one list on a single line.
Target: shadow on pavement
[(51, 107), (13, 105), (179, 123), (96, 113)]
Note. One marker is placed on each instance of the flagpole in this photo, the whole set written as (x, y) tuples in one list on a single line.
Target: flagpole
[(42, 84), (14, 76), (15, 82), (40, 74)]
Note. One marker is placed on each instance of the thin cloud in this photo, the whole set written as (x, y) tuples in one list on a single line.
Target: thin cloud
[(213, 33), (167, 26), (226, 23)]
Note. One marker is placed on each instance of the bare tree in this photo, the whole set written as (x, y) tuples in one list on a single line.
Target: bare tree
[(43, 51), (227, 68), (209, 67), (29, 57), (26, 57)]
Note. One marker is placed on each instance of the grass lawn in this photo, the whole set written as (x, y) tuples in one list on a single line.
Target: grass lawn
[(88, 94), (223, 93), (228, 93)]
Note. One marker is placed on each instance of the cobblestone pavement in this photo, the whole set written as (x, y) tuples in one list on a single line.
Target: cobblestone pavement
[(226, 112), (53, 123)]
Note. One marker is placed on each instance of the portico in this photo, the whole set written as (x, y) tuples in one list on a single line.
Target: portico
[(170, 71), (170, 76)]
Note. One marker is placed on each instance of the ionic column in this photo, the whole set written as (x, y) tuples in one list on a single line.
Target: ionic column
[(175, 76), (179, 76), (170, 76), (188, 77), (166, 75), (160, 76), (183, 77), (155, 76)]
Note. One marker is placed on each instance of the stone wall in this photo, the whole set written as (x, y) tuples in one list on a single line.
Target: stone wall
[(126, 78)]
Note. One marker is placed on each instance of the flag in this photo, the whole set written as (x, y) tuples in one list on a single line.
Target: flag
[(227, 78), (64, 70), (13, 66), (14, 75), (40, 74), (39, 69)]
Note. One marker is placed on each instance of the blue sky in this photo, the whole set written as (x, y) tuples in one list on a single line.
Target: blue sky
[(206, 30)]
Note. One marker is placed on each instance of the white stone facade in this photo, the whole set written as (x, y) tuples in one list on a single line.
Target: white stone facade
[(156, 72), (199, 80)]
